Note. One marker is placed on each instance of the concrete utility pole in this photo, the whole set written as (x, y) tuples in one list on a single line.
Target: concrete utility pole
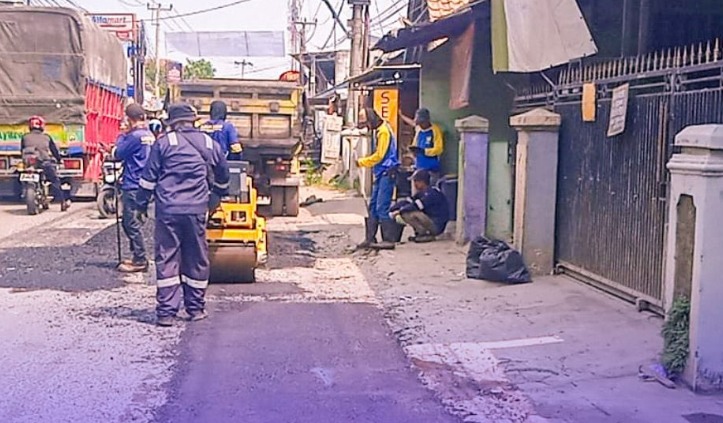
[(157, 8), (302, 49), (358, 53), (243, 65)]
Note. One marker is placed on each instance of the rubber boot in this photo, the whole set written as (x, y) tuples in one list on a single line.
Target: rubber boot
[(371, 225), (389, 232)]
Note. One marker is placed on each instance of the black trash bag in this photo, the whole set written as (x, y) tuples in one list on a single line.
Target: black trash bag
[(496, 261)]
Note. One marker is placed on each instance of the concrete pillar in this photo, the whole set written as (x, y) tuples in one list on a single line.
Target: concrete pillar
[(536, 188), (694, 266), (472, 185)]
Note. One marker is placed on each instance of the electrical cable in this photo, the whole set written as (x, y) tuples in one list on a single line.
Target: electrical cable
[(210, 9)]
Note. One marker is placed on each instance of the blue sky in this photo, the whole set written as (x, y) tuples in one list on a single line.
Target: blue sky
[(251, 16)]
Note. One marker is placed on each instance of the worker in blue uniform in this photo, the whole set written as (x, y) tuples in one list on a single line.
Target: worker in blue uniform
[(188, 174), (427, 144), (427, 212), (384, 162), (132, 148), (223, 132)]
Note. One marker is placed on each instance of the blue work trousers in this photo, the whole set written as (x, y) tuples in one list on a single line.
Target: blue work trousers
[(382, 193), (132, 227), (182, 263)]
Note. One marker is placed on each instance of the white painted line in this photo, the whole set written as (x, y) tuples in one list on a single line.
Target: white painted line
[(514, 343)]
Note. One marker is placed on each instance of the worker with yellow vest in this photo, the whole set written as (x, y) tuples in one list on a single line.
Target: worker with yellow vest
[(427, 144), (384, 162)]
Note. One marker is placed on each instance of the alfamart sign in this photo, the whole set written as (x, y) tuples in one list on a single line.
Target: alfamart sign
[(123, 25)]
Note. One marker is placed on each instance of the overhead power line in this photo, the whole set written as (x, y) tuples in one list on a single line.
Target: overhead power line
[(210, 9)]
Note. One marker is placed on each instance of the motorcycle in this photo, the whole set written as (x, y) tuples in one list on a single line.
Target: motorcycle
[(109, 194), (35, 185)]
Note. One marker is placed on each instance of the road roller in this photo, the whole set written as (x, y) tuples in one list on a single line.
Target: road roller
[(236, 234)]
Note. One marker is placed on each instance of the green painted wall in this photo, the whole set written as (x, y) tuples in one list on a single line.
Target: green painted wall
[(490, 98)]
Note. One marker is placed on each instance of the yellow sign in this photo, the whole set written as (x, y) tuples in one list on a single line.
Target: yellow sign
[(386, 104), (589, 105)]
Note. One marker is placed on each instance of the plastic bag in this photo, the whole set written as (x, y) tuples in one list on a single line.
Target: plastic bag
[(495, 261)]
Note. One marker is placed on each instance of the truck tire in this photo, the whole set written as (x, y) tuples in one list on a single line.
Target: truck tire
[(291, 198)]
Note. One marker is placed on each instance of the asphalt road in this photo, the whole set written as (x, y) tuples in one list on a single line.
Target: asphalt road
[(307, 343)]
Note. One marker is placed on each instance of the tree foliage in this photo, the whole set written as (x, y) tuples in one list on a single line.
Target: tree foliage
[(198, 69), (150, 74)]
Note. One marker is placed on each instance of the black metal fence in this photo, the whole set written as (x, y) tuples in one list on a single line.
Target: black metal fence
[(612, 191)]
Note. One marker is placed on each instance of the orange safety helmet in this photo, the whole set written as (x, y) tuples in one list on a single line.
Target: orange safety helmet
[(36, 122)]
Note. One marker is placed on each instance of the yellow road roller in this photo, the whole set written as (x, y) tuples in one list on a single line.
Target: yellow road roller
[(236, 234)]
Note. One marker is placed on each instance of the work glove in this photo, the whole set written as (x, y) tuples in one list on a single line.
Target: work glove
[(214, 201), (140, 215), (236, 148), (399, 220)]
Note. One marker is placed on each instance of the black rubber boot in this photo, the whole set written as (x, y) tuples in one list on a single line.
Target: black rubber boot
[(371, 225), (390, 230)]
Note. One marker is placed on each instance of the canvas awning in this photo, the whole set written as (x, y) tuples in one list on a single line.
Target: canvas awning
[(527, 36)]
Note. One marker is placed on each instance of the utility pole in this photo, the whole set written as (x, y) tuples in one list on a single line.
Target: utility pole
[(302, 51), (243, 65), (358, 54), (157, 8)]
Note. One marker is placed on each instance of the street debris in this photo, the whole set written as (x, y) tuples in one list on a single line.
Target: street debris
[(495, 261)]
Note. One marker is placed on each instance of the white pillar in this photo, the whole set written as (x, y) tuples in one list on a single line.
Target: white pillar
[(694, 254), (536, 188), (472, 182)]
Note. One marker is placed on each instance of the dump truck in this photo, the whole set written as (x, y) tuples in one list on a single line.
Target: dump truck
[(267, 116), (55, 63)]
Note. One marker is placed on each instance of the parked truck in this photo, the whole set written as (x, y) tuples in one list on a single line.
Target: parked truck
[(267, 115), (54, 62)]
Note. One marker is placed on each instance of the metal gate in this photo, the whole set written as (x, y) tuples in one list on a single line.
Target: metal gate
[(612, 191)]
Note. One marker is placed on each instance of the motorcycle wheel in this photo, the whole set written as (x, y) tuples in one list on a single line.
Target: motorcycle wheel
[(106, 202), (31, 200)]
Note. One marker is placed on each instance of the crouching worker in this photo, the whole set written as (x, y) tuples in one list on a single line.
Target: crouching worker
[(427, 212), (188, 174)]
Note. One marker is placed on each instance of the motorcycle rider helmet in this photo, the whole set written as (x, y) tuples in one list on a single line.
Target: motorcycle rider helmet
[(36, 122), (155, 126)]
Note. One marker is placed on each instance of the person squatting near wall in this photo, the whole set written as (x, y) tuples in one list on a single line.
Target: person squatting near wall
[(188, 174), (427, 212), (384, 162)]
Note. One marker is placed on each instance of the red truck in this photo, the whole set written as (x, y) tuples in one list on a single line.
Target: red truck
[(54, 62)]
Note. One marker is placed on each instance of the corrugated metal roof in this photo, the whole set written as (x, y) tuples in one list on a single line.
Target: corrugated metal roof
[(440, 8)]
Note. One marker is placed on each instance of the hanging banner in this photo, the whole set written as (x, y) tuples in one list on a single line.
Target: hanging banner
[(618, 110), (386, 104), (331, 139), (174, 72)]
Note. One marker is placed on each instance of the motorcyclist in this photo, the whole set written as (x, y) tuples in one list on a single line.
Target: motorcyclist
[(37, 142), (223, 132)]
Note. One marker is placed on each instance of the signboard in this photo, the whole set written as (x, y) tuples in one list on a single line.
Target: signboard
[(174, 72), (123, 25), (386, 104), (589, 105), (290, 76), (331, 139), (618, 110)]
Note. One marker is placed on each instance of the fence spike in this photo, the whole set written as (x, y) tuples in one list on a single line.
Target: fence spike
[(655, 61), (608, 69), (707, 52), (716, 50), (684, 59), (621, 66), (676, 57), (670, 58)]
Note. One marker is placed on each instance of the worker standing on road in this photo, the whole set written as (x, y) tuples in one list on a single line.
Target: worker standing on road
[(38, 142), (384, 162), (133, 149), (188, 173), (427, 144), (223, 132)]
